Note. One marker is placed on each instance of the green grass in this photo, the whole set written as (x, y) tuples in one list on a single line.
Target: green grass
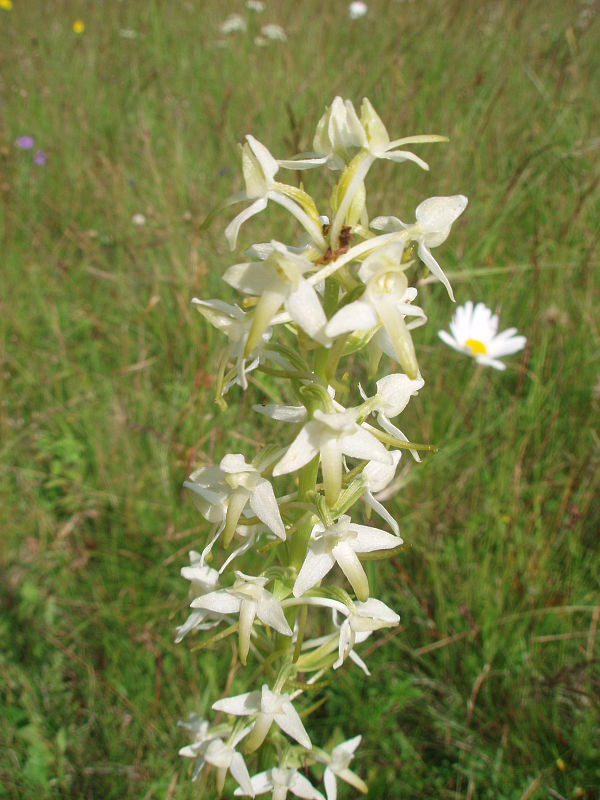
[(490, 687)]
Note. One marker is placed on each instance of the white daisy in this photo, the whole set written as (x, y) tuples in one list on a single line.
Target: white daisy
[(474, 332)]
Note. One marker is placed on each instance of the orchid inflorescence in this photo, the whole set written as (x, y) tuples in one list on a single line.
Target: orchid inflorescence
[(340, 290)]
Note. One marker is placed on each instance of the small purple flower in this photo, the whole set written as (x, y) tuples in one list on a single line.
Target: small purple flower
[(40, 158), (24, 142)]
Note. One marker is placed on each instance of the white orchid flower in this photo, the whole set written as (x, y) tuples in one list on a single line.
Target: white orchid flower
[(223, 493), (379, 143), (225, 758), (350, 195), (435, 217), (280, 782), (366, 617), (474, 332), (392, 397), (203, 579), (338, 130), (338, 767), (340, 543), (331, 435), (279, 281), (248, 598), (235, 324), (209, 748), (269, 707), (259, 168), (386, 302)]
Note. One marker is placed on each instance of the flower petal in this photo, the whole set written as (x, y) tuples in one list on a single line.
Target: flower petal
[(370, 539), (242, 705), (302, 450), (239, 771), (233, 229), (330, 784), (221, 601), (434, 267), (362, 444), (290, 723), (269, 612), (316, 566), (305, 309), (356, 316), (264, 505)]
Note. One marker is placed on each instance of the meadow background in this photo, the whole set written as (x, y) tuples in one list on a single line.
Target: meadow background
[(490, 687)]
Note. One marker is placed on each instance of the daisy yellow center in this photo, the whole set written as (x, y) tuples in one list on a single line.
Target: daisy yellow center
[(476, 347)]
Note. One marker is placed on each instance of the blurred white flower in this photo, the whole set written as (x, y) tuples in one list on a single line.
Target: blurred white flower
[(255, 5), (274, 32), (357, 10), (233, 23), (138, 219), (474, 332)]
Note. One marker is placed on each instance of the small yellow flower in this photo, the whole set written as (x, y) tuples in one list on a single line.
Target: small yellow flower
[(6, 4), (78, 26), (561, 764)]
